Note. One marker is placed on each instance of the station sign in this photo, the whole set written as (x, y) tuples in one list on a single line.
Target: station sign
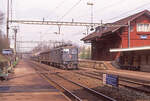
[(143, 36), (110, 80), (7, 52)]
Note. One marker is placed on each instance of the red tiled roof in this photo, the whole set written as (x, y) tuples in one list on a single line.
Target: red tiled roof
[(123, 21)]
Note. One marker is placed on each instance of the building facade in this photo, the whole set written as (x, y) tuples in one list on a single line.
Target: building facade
[(132, 31)]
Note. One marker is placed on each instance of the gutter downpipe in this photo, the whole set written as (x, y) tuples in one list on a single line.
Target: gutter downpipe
[(129, 34)]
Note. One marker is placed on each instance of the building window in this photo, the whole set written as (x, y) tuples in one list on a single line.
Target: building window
[(143, 27)]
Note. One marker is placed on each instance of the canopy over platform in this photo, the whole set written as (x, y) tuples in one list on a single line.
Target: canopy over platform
[(130, 49)]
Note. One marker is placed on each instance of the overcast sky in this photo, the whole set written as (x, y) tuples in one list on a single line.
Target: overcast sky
[(60, 10)]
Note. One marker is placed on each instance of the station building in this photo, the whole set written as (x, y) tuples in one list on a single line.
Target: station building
[(127, 42)]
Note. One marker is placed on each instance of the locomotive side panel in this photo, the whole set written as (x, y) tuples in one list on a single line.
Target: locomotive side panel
[(64, 57)]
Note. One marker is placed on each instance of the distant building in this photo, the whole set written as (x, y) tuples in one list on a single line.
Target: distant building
[(105, 38)]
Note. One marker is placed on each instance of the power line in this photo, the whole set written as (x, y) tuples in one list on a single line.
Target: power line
[(70, 9), (125, 13), (66, 13), (58, 6), (102, 9)]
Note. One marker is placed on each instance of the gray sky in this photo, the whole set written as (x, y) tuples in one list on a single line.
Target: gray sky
[(106, 10)]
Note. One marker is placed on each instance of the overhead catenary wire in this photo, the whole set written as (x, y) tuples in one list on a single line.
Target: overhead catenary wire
[(68, 12), (80, 0), (126, 13), (58, 6), (102, 9), (77, 3)]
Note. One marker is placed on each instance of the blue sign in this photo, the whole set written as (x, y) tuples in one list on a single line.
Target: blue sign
[(112, 80), (143, 36), (6, 52)]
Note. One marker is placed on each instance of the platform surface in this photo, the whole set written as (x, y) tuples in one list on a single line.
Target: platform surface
[(144, 76), (26, 85)]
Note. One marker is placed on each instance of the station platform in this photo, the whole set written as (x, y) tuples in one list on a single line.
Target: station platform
[(143, 76), (26, 85), (134, 75)]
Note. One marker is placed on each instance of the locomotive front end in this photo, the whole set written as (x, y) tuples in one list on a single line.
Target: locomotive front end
[(70, 57)]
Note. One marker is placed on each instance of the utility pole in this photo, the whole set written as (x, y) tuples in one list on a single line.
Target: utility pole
[(15, 29), (7, 26)]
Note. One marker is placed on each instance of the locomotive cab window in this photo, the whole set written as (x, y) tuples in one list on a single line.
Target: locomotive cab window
[(66, 50), (74, 51)]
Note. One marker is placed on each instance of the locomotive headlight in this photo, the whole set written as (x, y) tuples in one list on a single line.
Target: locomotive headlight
[(66, 50)]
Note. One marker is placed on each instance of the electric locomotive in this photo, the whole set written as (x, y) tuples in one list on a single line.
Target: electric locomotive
[(65, 57)]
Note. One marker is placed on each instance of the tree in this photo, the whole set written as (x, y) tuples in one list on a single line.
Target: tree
[(4, 41), (85, 52), (88, 53)]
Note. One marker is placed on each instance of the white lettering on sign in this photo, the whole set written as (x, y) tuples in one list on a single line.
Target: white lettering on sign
[(143, 36), (104, 79), (7, 52)]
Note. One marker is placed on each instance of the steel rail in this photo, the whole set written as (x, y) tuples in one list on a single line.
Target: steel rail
[(76, 98), (105, 97), (69, 93), (121, 84)]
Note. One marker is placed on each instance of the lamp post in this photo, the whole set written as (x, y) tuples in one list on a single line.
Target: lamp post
[(91, 4), (7, 22)]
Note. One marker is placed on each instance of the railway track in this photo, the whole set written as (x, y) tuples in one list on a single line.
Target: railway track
[(73, 90), (138, 86), (60, 87), (67, 92)]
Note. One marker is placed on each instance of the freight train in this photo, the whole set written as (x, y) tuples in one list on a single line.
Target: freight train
[(65, 57)]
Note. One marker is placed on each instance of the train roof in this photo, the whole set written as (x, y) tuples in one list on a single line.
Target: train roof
[(56, 48), (43, 52), (65, 46)]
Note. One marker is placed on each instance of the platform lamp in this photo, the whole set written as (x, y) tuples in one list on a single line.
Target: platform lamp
[(91, 4)]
